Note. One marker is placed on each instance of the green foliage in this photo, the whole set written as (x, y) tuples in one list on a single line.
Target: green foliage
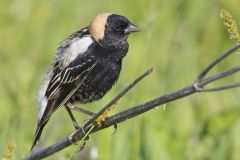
[(178, 39)]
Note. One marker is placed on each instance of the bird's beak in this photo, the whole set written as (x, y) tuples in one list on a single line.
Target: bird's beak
[(131, 28)]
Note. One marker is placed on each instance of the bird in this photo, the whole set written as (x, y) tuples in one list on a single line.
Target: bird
[(86, 66)]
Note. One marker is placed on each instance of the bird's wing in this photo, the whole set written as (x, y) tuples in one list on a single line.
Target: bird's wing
[(64, 84), (68, 72), (71, 67)]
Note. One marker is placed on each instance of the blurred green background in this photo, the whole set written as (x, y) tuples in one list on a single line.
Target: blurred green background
[(179, 38)]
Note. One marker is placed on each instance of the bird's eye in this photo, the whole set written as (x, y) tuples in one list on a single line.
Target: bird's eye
[(118, 27)]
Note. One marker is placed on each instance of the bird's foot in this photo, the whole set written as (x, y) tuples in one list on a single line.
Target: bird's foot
[(84, 126), (70, 139)]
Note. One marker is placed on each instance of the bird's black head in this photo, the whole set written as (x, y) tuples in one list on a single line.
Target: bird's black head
[(111, 30), (118, 27)]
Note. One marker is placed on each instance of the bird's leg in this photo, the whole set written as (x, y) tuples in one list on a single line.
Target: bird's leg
[(75, 108), (78, 109), (72, 117)]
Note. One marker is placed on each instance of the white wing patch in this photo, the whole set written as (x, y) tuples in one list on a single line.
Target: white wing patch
[(79, 46)]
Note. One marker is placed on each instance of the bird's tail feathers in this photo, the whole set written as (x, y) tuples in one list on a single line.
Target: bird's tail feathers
[(38, 134)]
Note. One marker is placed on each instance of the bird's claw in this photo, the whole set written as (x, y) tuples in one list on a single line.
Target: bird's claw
[(70, 139), (115, 126), (83, 126)]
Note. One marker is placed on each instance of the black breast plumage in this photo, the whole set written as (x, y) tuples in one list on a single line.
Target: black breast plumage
[(102, 77)]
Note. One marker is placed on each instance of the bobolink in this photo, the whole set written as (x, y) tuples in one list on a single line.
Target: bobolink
[(86, 66)]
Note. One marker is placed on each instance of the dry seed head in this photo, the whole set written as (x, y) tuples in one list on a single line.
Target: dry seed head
[(231, 25), (8, 152)]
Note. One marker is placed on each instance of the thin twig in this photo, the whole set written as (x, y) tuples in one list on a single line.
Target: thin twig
[(217, 60), (219, 76), (220, 88)]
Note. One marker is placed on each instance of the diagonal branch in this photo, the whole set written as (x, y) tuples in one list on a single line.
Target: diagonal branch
[(197, 86)]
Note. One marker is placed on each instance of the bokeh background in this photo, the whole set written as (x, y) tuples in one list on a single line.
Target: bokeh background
[(178, 39)]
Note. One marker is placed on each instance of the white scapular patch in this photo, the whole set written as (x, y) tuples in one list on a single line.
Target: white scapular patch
[(79, 46)]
